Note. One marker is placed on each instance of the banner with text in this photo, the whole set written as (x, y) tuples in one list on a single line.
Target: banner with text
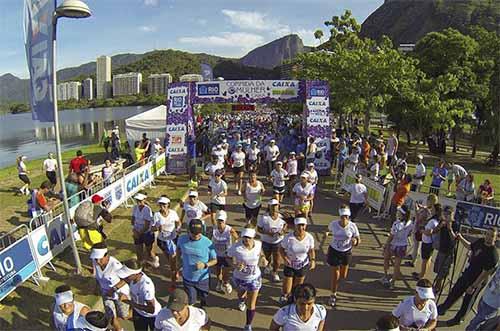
[(375, 191), (477, 216), (178, 112)]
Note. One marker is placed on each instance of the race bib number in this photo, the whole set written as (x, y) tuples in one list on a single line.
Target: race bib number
[(249, 270), (342, 244), (165, 235), (299, 264), (220, 247), (191, 213)]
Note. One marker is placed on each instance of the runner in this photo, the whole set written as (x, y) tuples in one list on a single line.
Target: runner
[(345, 236), (22, 173), (168, 224), (142, 220), (302, 195), (272, 153), (272, 228), (396, 245), (278, 177), (246, 254), (238, 165), (66, 310), (313, 179), (217, 190), (387, 323), (193, 208), (292, 169), (253, 157), (142, 291), (50, 167), (213, 166), (92, 321), (358, 196), (111, 287), (178, 315), (303, 314), (297, 250), (223, 236), (428, 237), (418, 311), (254, 189)]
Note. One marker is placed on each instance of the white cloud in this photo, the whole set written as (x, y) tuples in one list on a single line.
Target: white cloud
[(252, 20), (147, 28), (307, 37), (152, 3), (241, 40)]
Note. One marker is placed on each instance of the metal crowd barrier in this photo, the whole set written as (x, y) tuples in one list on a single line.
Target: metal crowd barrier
[(10, 237)]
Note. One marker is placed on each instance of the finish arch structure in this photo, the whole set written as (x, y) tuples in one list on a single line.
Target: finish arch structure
[(180, 132)]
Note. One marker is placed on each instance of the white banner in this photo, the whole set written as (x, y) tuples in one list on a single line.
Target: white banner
[(49, 240), (375, 191), (249, 89)]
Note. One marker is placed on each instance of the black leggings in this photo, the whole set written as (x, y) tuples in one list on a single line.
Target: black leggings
[(142, 323)]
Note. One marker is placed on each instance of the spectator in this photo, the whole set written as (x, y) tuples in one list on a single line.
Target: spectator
[(158, 148), (488, 306), (439, 173), (466, 189), (40, 203), (343, 155), (77, 164), (486, 193), (392, 147), (365, 150), (139, 152), (312, 148), (399, 198), (50, 167), (146, 145), (459, 172), (107, 172), (375, 168), (72, 188), (419, 177)]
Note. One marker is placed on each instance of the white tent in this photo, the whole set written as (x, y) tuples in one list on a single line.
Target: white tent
[(152, 122)]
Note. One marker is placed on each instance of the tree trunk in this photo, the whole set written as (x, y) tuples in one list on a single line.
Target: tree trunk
[(408, 137), (454, 133)]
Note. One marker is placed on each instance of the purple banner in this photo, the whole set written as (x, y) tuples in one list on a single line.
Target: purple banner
[(179, 111)]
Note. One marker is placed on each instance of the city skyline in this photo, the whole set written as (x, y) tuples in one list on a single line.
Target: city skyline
[(220, 28)]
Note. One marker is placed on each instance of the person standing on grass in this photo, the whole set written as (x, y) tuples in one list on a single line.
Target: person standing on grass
[(439, 175), (419, 177), (217, 190), (297, 251), (50, 167), (396, 245), (252, 195), (246, 254), (142, 291), (223, 236), (358, 196), (66, 310), (168, 224), (78, 163), (272, 228), (392, 147), (198, 254), (238, 165), (22, 172), (142, 220), (345, 236)]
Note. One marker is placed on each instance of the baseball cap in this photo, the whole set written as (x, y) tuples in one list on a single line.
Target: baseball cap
[(273, 202), (140, 197), (247, 232), (279, 162), (96, 198), (272, 141), (300, 220), (304, 175), (344, 212), (164, 200), (221, 215), (425, 292), (178, 300), (193, 194), (195, 226), (420, 156), (98, 253), (125, 272), (310, 164)]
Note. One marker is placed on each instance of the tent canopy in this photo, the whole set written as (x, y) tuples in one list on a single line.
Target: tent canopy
[(151, 122)]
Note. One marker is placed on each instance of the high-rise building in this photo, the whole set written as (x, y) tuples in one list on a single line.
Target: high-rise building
[(191, 78), (158, 83), (62, 91), (88, 89), (127, 84), (74, 90), (103, 77)]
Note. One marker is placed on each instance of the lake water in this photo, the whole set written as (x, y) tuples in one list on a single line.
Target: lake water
[(20, 135)]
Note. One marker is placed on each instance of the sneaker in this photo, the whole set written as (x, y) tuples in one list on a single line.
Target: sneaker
[(267, 270), (239, 193), (247, 328), (283, 300), (242, 305), (415, 275), (409, 264), (155, 263), (227, 288), (218, 288), (332, 301), (453, 322), (384, 280), (276, 277)]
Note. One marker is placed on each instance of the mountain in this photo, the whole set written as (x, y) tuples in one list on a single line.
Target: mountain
[(274, 53), (13, 88), (406, 21)]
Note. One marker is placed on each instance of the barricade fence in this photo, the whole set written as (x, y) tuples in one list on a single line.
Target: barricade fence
[(24, 250)]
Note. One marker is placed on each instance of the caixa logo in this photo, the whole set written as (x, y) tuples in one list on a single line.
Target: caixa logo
[(136, 180), (208, 89), (318, 92), (57, 235)]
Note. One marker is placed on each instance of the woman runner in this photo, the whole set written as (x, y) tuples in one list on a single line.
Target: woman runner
[(345, 236), (22, 172), (142, 220), (238, 164), (297, 250), (223, 237), (193, 208), (254, 189), (278, 177), (272, 228), (303, 314), (217, 190), (302, 194), (245, 255), (313, 179), (168, 224)]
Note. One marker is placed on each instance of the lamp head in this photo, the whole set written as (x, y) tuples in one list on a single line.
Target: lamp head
[(73, 9)]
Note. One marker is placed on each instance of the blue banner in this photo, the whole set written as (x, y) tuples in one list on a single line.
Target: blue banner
[(16, 265), (206, 71), (38, 42), (477, 216)]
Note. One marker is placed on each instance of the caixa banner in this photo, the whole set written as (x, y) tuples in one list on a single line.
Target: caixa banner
[(477, 216)]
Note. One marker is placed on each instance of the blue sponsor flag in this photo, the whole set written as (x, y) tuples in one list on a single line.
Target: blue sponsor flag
[(206, 71), (38, 42)]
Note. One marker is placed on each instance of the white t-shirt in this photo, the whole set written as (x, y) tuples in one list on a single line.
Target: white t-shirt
[(431, 224), (238, 159), (267, 223), (292, 167), (222, 240), (61, 320), (400, 232), (313, 176), (212, 168), (141, 216), (279, 177), (249, 257), (220, 155), (252, 153), (374, 171), (194, 212), (142, 291), (358, 192), (21, 168), (419, 172), (166, 224), (107, 277), (50, 165), (288, 318), (253, 195), (217, 188), (272, 152), (391, 145), (297, 251), (409, 314), (341, 237), (302, 192), (165, 320)]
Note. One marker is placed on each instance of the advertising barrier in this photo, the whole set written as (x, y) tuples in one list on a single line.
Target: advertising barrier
[(477, 216), (49, 240), (376, 191)]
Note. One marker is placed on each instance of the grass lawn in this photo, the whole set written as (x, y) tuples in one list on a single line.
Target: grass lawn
[(28, 307)]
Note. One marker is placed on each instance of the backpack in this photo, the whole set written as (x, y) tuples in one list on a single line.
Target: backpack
[(84, 215)]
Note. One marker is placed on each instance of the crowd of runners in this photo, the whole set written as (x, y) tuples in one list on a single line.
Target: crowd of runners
[(268, 164)]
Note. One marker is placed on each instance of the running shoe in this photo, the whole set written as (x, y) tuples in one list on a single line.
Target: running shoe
[(247, 328), (218, 288), (242, 305), (227, 288), (276, 277), (239, 193), (409, 264), (384, 280), (415, 275), (156, 262), (267, 270), (332, 301), (283, 300)]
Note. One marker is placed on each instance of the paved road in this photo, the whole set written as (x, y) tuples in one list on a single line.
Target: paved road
[(361, 299)]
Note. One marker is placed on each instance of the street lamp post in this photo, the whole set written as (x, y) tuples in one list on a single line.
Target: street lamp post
[(70, 9)]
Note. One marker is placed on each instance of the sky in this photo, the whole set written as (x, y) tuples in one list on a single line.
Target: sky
[(224, 28)]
